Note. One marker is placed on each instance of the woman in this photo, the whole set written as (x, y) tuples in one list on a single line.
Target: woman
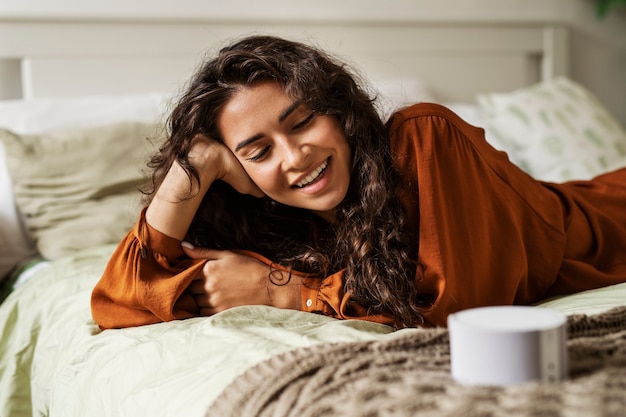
[(280, 185)]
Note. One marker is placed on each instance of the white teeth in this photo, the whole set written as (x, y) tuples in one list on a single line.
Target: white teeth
[(312, 176)]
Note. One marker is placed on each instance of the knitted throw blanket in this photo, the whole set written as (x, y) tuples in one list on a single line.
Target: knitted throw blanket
[(408, 374)]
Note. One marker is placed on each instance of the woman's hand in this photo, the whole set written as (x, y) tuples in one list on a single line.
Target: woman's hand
[(229, 279), (214, 161)]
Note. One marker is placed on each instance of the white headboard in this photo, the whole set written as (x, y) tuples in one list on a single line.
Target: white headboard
[(94, 55)]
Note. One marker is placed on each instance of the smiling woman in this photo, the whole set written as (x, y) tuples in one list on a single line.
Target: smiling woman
[(282, 119), (279, 184)]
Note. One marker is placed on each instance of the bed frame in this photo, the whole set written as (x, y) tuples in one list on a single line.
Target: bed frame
[(55, 55)]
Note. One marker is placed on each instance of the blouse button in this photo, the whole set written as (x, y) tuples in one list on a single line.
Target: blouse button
[(309, 302)]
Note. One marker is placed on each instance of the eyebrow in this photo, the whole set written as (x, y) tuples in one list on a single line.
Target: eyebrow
[(289, 110), (281, 119)]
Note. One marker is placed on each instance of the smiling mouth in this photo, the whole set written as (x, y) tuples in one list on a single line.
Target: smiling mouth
[(313, 176)]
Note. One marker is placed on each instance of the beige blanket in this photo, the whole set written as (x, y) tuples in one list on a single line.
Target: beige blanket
[(408, 374)]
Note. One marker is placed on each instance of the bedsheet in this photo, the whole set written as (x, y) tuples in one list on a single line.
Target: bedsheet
[(54, 360)]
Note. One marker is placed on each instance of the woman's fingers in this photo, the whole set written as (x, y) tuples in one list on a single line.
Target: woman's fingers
[(197, 286), (200, 253), (208, 311), (236, 175), (202, 297)]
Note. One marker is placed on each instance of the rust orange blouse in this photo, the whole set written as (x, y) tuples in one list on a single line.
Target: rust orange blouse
[(488, 235)]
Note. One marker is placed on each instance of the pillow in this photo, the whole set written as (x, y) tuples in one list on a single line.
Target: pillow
[(394, 94), (79, 188), (473, 114), (14, 243), (556, 130), (46, 114), (43, 115)]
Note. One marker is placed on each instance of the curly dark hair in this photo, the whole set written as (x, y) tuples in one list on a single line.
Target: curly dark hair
[(370, 239)]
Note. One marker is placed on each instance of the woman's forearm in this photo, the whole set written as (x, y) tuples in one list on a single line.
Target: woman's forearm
[(175, 203), (178, 197)]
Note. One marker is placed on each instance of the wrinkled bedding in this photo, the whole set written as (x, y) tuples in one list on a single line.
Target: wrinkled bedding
[(408, 374), (54, 361)]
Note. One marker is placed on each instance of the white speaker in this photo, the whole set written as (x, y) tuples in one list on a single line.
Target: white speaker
[(508, 345)]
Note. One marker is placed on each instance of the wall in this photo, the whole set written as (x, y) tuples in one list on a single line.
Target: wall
[(597, 55)]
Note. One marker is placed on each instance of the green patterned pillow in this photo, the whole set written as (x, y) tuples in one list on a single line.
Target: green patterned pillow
[(556, 130)]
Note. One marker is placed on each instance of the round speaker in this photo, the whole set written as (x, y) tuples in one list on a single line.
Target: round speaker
[(507, 345)]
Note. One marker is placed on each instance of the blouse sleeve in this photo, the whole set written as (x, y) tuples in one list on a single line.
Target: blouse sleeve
[(330, 299), (144, 281), (488, 233)]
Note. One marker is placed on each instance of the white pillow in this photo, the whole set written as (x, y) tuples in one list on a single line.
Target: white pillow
[(48, 114), (394, 94), (45, 115), (556, 130)]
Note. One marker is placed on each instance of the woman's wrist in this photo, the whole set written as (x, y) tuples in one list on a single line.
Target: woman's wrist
[(287, 296)]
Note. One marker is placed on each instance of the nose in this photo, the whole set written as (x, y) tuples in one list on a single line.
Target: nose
[(295, 155)]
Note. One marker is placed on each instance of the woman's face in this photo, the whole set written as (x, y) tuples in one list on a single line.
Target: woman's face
[(294, 155)]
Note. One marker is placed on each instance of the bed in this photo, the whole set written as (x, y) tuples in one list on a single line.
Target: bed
[(85, 93)]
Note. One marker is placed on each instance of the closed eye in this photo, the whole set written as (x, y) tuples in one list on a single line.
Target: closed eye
[(304, 122), (257, 156)]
